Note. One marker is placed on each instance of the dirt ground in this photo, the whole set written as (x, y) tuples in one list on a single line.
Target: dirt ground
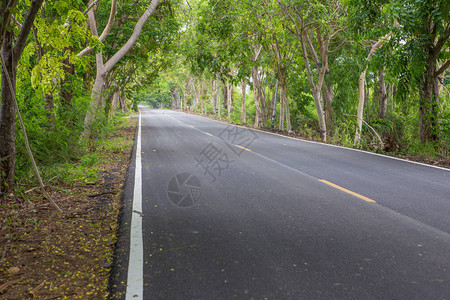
[(49, 255)]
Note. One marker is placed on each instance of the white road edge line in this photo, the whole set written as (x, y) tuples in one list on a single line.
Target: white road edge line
[(325, 144), (135, 278)]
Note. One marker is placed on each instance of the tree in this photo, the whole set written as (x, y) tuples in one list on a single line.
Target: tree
[(362, 81), (426, 28), (104, 68), (419, 53), (11, 52), (317, 25)]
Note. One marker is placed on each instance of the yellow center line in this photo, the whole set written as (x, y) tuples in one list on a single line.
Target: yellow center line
[(348, 191), (246, 149), (208, 133)]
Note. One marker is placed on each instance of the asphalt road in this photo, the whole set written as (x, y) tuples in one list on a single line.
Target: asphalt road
[(229, 212)]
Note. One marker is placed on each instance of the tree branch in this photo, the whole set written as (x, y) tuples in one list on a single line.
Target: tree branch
[(258, 52), (443, 68), (311, 48), (336, 32), (377, 135), (441, 42), (17, 22), (25, 30), (133, 38), (93, 3), (6, 15), (106, 31), (307, 65), (338, 47), (24, 132)]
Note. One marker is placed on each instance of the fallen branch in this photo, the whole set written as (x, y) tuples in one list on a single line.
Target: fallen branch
[(32, 189), (378, 136), (25, 137), (36, 187), (5, 285), (6, 157), (441, 156), (101, 194), (37, 288)]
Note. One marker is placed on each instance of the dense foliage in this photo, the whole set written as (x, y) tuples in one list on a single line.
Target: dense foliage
[(329, 67), (54, 75)]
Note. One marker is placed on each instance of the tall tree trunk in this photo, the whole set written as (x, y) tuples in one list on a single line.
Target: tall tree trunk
[(7, 117), (203, 96), (100, 79), (320, 113), (359, 113), (225, 95), (262, 98), (287, 112), (10, 57), (328, 98), (122, 101), (272, 101), (244, 93), (188, 95), (115, 101), (429, 105), (214, 98), (256, 96), (282, 114), (97, 99), (66, 84), (49, 109), (362, 81), (382, 94), (176, 98), (316, 87), (103, 69)]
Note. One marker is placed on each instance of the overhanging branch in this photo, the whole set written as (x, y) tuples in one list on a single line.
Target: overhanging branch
[(443, 68)]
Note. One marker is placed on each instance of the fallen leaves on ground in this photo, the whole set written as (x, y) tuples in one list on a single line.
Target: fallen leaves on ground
[(47, 255)]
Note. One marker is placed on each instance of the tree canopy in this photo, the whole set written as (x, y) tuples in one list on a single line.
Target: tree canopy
[(368, 74)]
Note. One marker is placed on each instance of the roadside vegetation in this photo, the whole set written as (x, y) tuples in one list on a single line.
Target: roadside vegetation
[(68, 85), (371, 75), (49, 255)]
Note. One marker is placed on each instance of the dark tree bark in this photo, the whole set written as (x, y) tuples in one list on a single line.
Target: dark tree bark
[(429, 105), (429, 85), (176, 98), (224, 95), (382, 94), (6, 8), (49, 109), (244, 93), (7, 119), (66, 85), (328, 98), (11, 55)]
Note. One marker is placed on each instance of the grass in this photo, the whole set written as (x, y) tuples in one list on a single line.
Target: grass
[(50, 255)]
